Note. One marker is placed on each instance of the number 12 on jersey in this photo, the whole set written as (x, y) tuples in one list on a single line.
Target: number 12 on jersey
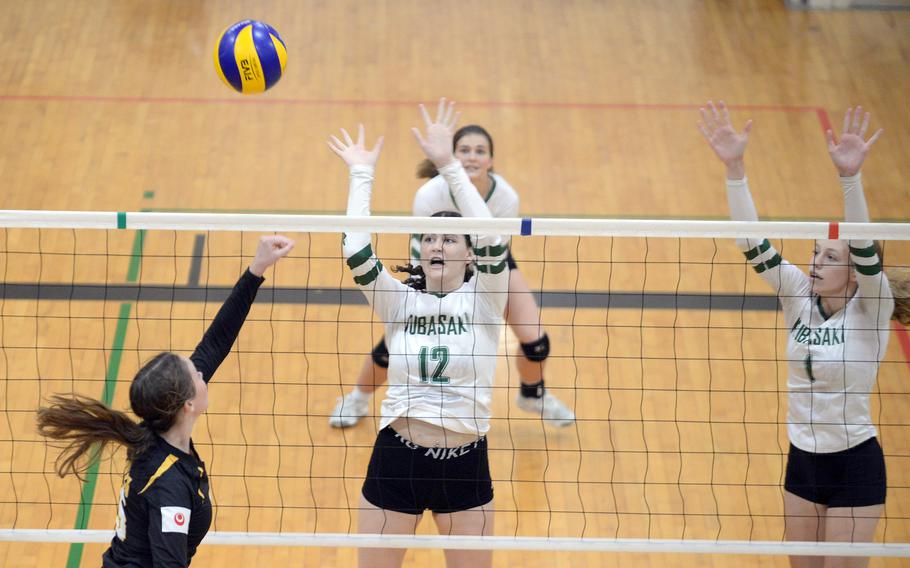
[(438, 355)]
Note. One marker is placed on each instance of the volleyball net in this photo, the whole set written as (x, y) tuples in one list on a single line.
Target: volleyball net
[(666, 344)]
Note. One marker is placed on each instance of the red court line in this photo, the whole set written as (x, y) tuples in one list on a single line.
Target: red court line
[(903, 338), (824, 119), (241, 100)]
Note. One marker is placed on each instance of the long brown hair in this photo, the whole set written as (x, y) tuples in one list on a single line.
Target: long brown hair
[(87, 426), (899, 279), (426, 169)]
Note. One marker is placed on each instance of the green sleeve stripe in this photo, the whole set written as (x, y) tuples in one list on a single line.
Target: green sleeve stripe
[(492, 268), (867, 252), (870, 270), (763, 247), (367, 278), (493, 250), (771, 263), (360, 257)]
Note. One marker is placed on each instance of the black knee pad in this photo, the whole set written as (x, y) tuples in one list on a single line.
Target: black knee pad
[(380, 354), (537, 351)]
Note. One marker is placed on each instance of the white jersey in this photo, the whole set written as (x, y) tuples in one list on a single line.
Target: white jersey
[(434, 196), (442, 348), (832, 359)]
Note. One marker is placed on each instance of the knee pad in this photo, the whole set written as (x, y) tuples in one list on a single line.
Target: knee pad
[(380, 354), (537, 351)]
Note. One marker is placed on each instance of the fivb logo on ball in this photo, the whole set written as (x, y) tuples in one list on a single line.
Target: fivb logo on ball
[(250, 57)]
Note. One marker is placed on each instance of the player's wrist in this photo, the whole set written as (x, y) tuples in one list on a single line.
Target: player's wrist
[(736, 168)]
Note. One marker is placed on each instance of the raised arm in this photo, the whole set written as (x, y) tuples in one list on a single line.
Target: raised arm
[(222, 332), (848, 155), (380, 289), (490, 251), (436, 144), (730, 148)]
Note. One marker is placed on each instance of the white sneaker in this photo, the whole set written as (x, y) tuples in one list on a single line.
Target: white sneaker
[(349, 410), (548, 407)]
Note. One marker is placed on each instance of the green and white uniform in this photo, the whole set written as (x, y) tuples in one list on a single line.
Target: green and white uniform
[(434, 196), (443, 347), (833, 359)]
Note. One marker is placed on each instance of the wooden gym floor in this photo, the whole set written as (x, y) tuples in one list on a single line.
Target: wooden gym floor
[(114, 105)]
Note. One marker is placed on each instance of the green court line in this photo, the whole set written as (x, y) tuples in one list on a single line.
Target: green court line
[(132, 273), (110, 383), (532, 215), (74, 559)]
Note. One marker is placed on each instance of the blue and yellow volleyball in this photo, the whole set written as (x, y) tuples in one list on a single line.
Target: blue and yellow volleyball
[(250, 57)]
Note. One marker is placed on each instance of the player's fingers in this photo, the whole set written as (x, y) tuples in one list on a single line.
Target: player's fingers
[(875, 136)]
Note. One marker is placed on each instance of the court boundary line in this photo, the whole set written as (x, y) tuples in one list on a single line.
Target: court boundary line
[(291, 101)]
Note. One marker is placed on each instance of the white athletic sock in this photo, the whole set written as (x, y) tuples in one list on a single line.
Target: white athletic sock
[(360, 395)]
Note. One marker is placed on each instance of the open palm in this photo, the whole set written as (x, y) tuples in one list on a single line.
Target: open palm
[(355, 153), (849, 153), (715, 126), (437, 142)]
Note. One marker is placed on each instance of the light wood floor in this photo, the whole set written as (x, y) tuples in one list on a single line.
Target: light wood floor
[(114, 105)]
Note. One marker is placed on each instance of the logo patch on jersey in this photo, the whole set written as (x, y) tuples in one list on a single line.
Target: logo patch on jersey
[(175, 519)]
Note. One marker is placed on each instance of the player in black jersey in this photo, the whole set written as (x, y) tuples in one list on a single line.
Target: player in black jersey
[(164, 509)]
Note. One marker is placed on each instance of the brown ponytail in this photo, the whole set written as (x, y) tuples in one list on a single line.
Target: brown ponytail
[(427, 170), (87, 426), (899, 279)]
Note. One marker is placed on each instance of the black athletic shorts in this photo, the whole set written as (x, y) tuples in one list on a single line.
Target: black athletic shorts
[(854, 477), (510, 260), (408, 478)]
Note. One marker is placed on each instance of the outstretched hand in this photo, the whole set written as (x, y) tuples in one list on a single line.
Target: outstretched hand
[(727, 143), (849, 153), (437, 144), (271, 248), (355, 153)]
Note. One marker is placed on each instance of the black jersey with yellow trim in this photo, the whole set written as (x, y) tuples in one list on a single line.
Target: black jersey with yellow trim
[(164, 510)]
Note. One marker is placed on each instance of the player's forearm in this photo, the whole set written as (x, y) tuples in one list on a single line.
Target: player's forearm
[(360, 191), (855, 208), (463, 191)]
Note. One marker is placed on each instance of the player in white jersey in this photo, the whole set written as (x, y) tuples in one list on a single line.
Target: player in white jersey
[(473, 146), (838, 324), (443, 332)]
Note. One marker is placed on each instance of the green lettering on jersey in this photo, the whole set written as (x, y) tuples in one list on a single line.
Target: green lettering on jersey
[(802, 333), (444, 325)]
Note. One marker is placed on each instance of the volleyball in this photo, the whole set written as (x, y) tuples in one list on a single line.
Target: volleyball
[(250, 57)]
